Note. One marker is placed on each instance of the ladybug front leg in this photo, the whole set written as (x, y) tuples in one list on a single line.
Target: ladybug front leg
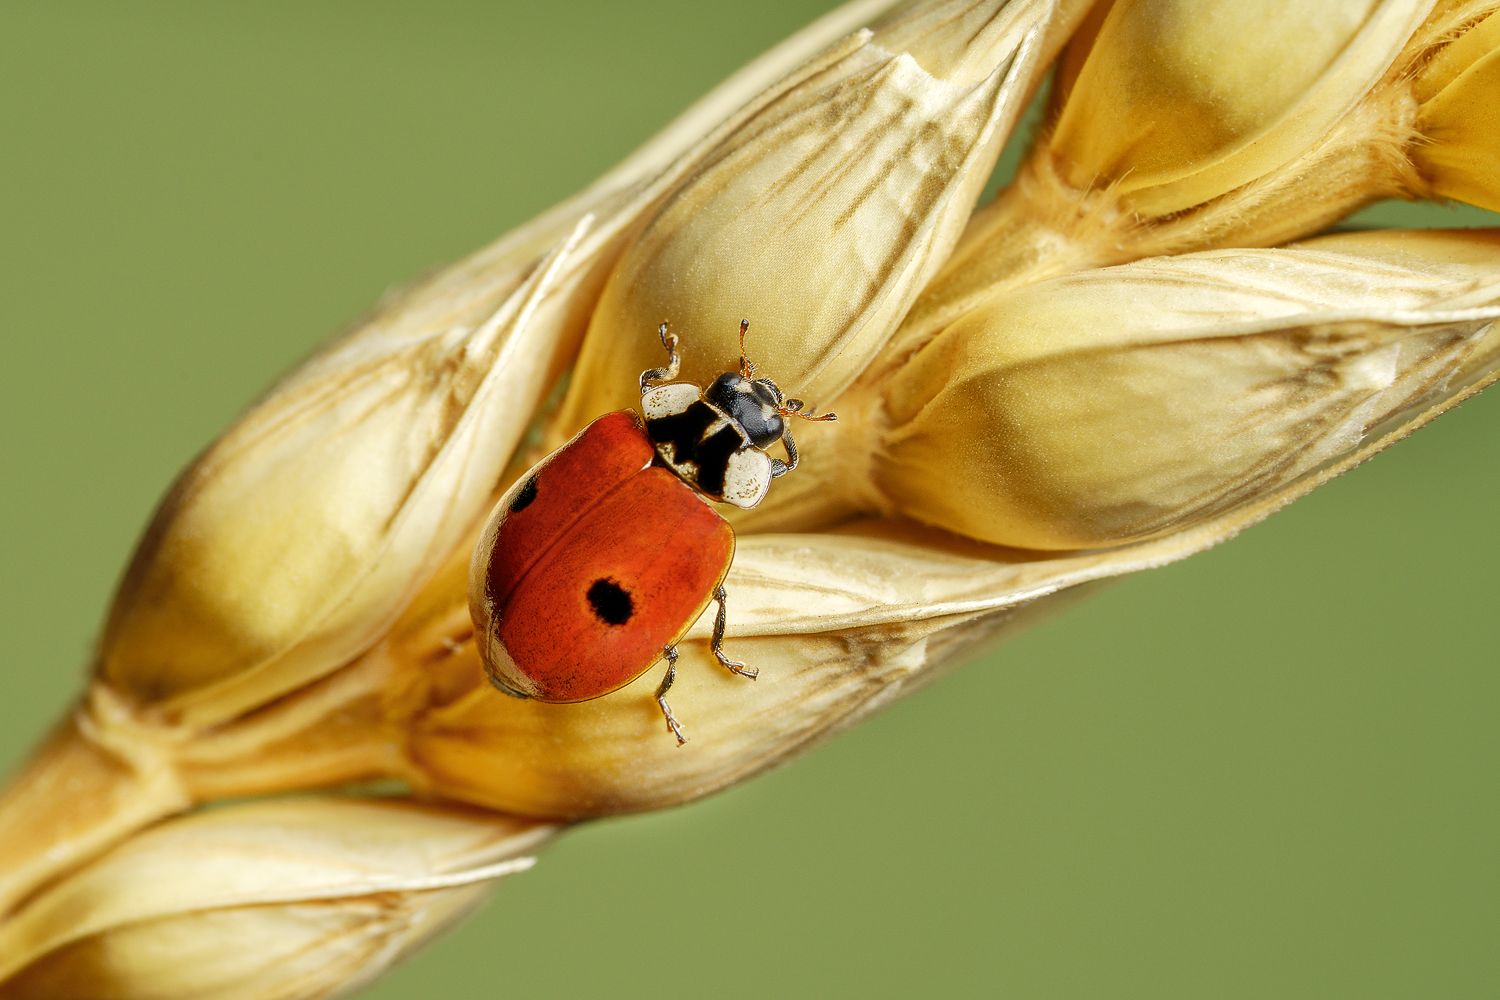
[(670, 652), (780, 468), (656, 376), (717, 643)]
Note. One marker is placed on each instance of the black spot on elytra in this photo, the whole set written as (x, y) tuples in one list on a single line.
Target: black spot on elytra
[(610, 602), (524, 496)]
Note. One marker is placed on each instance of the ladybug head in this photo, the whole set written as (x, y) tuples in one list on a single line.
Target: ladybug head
[(756, 404)]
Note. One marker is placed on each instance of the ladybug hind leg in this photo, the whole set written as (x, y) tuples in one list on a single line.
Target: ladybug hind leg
[(670, 652), (717, 643)]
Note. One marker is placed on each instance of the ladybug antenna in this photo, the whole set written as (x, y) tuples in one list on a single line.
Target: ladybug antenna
[(747, 367), (795, 408), (786, 407)]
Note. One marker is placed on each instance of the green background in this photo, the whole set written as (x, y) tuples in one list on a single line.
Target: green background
[(1269, 771)]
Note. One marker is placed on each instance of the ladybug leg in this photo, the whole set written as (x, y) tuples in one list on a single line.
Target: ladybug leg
[(661, 694), (656, 376), (717, 644), (780, 468)]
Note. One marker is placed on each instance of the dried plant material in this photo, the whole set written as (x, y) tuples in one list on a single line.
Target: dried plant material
[(297, 616), (289, 546), (1173, 401), (1169, 126), (841, 623), (293, 541), (1460, 116), (302, 898), (1120, 403), (1258, 144), (820, 217), (96, 778)]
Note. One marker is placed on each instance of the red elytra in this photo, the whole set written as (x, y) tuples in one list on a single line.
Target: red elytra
[(580, 601)]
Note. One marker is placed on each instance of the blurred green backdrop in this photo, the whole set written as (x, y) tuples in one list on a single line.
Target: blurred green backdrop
[(1266, 772)]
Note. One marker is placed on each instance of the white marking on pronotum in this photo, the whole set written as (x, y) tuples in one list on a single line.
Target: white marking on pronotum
[(668, 400), (747, 477)]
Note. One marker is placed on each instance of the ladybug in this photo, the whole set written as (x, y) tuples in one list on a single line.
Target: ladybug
[(595, 563)]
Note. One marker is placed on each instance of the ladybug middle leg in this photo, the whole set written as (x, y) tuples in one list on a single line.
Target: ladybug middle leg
[(670, 652), (717, 643)]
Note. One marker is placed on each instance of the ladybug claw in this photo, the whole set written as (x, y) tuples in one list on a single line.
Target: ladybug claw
[(673, 726), (717, 643), (736, 666)]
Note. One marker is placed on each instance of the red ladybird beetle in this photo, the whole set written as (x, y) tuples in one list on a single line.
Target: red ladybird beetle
[(596, 562)]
